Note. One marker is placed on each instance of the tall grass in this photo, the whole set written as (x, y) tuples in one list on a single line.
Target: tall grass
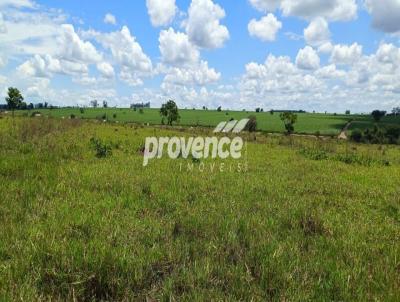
[(292, 228)]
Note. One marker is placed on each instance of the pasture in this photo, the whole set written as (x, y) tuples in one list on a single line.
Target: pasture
[(308, 123), (310, 219)]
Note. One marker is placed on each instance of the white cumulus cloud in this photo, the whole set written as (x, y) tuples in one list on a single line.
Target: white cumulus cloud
[(332, 10), (317, 33), (203, 24), (176, 49), (345, 54), (110, 19), (161, 12), (385, 14), (307, 58), (106, 69), (266, 28)]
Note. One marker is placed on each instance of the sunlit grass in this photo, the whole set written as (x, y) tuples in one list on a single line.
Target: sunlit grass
[(294, 227)]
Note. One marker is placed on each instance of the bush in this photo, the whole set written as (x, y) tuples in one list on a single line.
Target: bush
[(314, 154), (393, 134), (102, 149), (252, 124), (356, 135)]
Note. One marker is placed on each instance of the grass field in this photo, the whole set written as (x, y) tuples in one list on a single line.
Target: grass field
[(325, 124), (309, 220)]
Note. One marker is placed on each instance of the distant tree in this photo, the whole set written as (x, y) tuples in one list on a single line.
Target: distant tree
[(252, 124), (94, 103), (14, 99), (396, 111), (219, 109), (378, 114), (23, 106), (105, 104), (348, 112), (169, 111), (289, 119)]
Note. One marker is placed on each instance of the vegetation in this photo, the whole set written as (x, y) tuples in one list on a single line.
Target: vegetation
[(14, 99), (309, 220), (252, 124), (377, 135), (169, 111), (288, 119), (378, 114)]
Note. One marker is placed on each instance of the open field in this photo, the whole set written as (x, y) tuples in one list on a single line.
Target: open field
[(310, 219), (325, 124)]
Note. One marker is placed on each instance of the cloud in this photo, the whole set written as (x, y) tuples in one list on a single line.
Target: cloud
[(203, 24), (266, 28), (73, 48), (3, 27), (161, 12), (45, 66), (110, 19), (106, 70), (332, 10), (317, 33), (388, 53), (200, 74), (307, 58), (344, 54), (330, 72), (176, 48), (127, 52), (265, 5), (17, 3), (385, 14)]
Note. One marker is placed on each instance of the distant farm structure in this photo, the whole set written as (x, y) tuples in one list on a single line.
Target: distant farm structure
[(140, 105)]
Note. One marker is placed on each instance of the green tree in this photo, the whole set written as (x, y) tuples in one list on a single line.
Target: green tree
[(14, 99), (378, 114), (289, 119), (169, 111)]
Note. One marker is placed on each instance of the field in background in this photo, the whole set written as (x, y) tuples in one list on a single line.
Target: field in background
[(325, 124), (310, 220)]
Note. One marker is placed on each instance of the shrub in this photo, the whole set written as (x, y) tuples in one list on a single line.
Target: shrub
[(393, 134), (102, 149), (356, 135), (252, 124), (314, 154)]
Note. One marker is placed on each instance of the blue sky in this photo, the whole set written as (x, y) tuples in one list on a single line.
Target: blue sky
[(315, 55)]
